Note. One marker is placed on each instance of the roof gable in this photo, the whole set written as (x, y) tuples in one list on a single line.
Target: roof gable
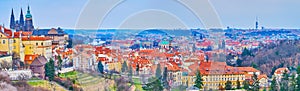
[(40, 60)]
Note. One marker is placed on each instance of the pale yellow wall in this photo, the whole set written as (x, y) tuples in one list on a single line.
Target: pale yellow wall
[(29, 49), (5, 43), (214, 81), (18, 48), (116, 65), (39, 47)]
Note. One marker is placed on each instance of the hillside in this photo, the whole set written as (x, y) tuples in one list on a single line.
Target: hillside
[(285, 53)]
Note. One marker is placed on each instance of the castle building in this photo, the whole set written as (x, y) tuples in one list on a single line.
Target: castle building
[(21, 25)]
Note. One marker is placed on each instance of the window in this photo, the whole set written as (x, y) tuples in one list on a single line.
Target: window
[(14, 41), (3, 42), (42, 44), (36, 43)]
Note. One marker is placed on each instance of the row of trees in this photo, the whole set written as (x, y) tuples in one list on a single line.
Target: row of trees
[(288, 82)]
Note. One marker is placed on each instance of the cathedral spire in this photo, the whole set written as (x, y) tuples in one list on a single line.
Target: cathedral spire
[(12, 19), (21, 20)]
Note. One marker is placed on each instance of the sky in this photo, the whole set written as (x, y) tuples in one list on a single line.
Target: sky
[(171, 14)]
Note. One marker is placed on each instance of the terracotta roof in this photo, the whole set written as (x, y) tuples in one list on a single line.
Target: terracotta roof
[(3, 53), (172, 66), (262, 76), (35, 38), (248, 69), (281, 70), (17, 34), (210, 67), (6, 35), (204, 44), (29, 58), (141, 62), (8, 32)]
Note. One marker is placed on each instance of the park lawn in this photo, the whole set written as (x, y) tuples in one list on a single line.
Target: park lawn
[(36, 82), (71, 75), (44, 84), (137, 84)]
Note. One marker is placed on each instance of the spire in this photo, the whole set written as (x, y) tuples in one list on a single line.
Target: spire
[(12, 19), (256, 23), (28, 9), (12, 11), (28, 15), (21, 21)]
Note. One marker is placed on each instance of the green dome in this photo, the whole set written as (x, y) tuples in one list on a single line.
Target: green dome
[(28, 15), (164, 42)]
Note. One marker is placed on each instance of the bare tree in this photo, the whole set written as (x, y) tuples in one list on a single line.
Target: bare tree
[(23, 76), (5, 65), (5, 82), (7, 87), (4, 77)]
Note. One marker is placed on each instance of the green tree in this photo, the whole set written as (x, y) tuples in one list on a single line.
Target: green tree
[(292, 86), (153, 85), (239, 62), (298, 79), (284, 84), (265, 89), (255, 84), (198, 81), (124, 67), (228, 85), (273, 85), (246, 85), (100, 67), (59, 62), (137, 69), (50, 70), (254, 65), (130, 74), (238, 84), (165, 79), (246, 52), (158, 71)]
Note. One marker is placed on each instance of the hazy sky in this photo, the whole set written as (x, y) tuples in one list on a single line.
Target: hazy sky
[(157, 13)]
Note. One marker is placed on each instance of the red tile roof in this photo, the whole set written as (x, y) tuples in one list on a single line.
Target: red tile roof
[(172, 66), (8, 32), (281, 70), (35, 38), (29, 58)]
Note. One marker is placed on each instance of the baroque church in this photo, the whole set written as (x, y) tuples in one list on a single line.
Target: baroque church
[(21, 25)]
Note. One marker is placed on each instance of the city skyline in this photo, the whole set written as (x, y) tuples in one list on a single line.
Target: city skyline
[(233, 13)]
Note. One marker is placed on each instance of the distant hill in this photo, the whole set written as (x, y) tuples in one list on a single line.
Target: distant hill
[(285, 53)]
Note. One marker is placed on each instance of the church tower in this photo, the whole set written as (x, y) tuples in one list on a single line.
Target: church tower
[(28, 21), (12, 20), (256, 24), (21, 21)]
